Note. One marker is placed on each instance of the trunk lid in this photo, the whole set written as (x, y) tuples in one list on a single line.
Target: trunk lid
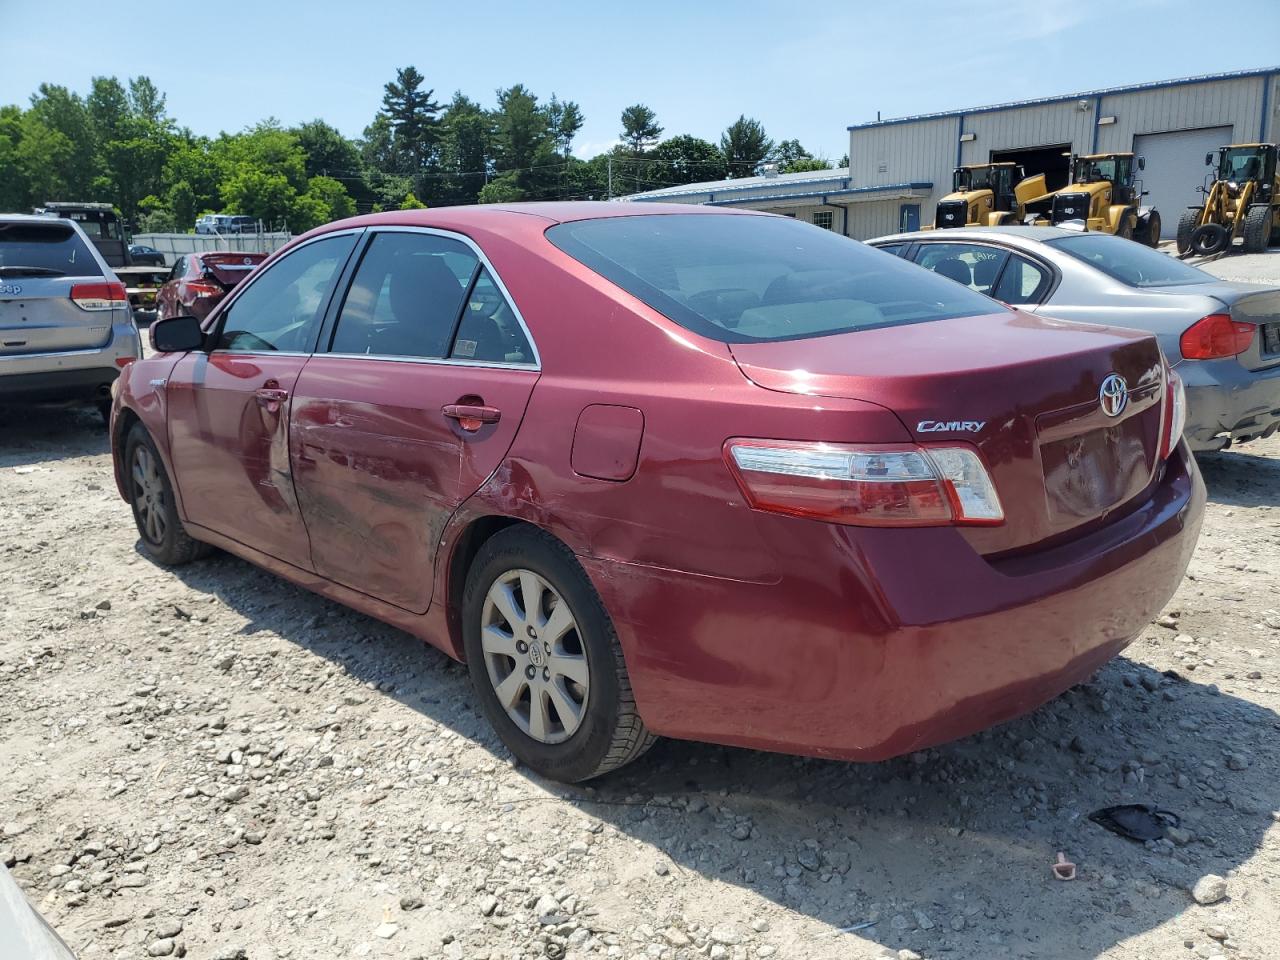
[(37, 315), (1258, 305), (228, 269), (1023, 389)]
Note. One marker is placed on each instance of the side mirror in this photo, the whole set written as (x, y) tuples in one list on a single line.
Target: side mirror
[(176, 335), (1142, 163), (1208, 159)]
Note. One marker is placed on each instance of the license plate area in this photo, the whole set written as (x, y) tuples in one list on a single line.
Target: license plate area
[(1271, 339), (1091, 473)]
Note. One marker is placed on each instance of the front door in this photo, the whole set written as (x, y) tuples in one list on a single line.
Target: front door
[(908, 217), (229, 407), (414, 406)]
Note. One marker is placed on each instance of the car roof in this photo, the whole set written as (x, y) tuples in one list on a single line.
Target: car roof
[(553, 211), (1018, 236)]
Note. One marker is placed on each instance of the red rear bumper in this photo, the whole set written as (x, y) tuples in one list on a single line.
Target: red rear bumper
[(877, 642)]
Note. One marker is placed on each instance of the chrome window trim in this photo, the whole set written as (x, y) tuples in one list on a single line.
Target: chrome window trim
[(435, 361), (497, 280)]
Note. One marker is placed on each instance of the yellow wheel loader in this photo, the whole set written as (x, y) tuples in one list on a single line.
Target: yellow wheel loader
[(1103, 195), (1243, 200), (987, 195)]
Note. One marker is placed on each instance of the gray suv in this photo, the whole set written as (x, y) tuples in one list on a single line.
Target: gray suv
[(66, 329)]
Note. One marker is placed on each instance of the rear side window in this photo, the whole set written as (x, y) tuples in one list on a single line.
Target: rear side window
[(281, 309), (750, 279), (406, 296), (51, 249), (1130, 263), (489, 330), (1022, 281)]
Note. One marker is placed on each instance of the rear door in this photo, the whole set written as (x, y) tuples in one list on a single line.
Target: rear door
[(229, 407), (42, 263), (414, 405)]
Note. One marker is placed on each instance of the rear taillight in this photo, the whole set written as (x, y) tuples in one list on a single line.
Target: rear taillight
[(99, 296), (1215, 337), (198, 288), (889, 485), (1175, 416)]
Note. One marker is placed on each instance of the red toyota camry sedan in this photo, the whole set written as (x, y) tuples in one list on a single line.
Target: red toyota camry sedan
[(664, 470)]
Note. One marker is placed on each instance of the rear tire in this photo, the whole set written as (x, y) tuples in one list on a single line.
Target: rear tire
[(533, 629), (1208, 239), (164, 538), (1125, 230), (1258, 221), (1186, 225)]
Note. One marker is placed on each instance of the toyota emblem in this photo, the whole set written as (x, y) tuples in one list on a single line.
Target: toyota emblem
[(1113, 395)]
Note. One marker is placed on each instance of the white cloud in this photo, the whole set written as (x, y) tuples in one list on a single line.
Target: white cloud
[(589, 149)]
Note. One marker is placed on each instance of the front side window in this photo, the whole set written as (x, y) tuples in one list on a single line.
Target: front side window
[(280, 310), (973, 264), (1130, 263), (406, 296), (751, 279)]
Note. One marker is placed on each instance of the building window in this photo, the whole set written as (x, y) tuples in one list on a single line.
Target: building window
[(824, 219)]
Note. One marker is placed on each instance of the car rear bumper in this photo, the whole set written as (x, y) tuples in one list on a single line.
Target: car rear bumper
[(880, 642), (1227, 403), (69, 374)]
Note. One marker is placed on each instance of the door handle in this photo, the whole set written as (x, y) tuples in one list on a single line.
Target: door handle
[(270, 398), (471, 416)]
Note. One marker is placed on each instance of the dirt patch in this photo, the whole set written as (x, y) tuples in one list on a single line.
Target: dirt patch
[(212, 761)]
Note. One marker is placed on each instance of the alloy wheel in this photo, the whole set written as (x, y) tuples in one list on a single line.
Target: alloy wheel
[(534, 656), (149, 494)]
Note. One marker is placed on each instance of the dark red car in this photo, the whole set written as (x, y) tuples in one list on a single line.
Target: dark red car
[(674, 470), (197, 282)]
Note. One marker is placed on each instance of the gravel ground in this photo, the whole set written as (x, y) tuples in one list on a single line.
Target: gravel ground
[(210, 762)]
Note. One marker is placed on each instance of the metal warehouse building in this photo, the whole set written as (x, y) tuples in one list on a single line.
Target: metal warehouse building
[(900, 168)]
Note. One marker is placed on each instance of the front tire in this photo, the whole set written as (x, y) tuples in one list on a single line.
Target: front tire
[(1258, 221), (545, 661), (1149, 230), (164, 538)]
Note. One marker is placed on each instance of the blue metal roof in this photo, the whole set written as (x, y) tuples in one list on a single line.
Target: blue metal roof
[(823, 194), (1108, 91)]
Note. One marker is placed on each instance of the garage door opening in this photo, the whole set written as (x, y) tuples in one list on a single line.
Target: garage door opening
[(1053, 161)]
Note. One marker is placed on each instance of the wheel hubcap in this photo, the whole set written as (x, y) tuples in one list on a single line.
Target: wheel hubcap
[(534, 656), (148, 495)]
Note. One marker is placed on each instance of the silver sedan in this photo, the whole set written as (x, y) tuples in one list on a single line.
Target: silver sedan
[(1222, 337)]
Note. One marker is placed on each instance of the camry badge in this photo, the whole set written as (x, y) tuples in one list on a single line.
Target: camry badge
[(950, 426), (1113, 395)]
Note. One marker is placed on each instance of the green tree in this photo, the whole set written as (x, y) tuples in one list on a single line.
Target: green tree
[(412, 115), (640, 129), (71, 167), (14, 192), (410, 202), (744, 145), (333, 195), (565, 119), (467, 145), (524, 145), (146, 100), (108, 108), (502, 190), (45, 160), (685, 159)]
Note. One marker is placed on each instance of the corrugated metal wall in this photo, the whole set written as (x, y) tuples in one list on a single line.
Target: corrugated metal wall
[(926, 149)]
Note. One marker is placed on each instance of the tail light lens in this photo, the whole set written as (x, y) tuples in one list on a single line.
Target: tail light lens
[(199, 288), (1215, 337), (99, 296), (1175, 418), (889, 485)]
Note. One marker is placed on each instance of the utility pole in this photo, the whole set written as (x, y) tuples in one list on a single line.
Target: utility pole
[(610, 165)]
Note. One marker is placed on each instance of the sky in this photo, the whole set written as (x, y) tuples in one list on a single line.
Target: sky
[(805, 70)]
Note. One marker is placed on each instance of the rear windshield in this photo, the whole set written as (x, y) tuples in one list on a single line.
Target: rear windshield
[(44, 249), (1130, 263), (748, 279)]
